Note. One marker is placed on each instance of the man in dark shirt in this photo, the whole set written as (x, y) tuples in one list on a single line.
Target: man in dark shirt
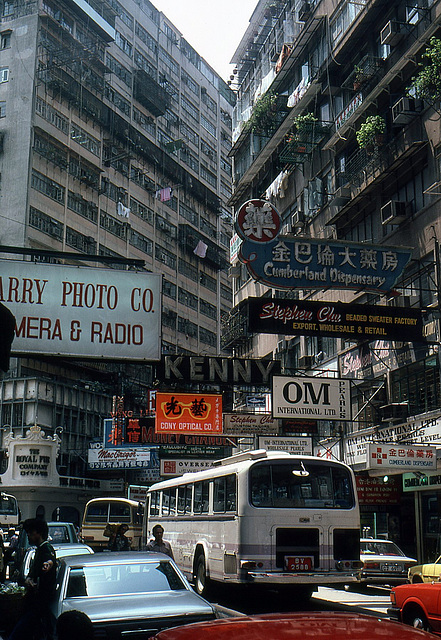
[(38, 620)]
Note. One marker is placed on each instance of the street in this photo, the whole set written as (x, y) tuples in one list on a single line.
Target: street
[(370, 600)]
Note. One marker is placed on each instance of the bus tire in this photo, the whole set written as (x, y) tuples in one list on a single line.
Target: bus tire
[(201, 579)]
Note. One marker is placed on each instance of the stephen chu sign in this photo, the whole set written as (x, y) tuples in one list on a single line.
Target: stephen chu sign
[(83, 312), (319, 398)]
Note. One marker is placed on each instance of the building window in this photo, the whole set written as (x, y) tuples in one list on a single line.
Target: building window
[(46, 224), (141, 210), (188, 270), (85, 208), (169, 289), (189, 328), (5, 40), (48, 187), (166, 257), (207, 337), (78, 241), (208, 176), (85, 140), (123, 44), (4, 74), (189, 82), (189, 214), (109, 223), (2, 108), (209, 126), (52, 116), (141, 242), (190, 108), (188, 299), (208, 309)]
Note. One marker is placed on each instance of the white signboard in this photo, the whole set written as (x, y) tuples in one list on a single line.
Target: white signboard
[(123, 458), (298, 446), (400, 457), (318, 398), (179, 467), (328, 451), (83, 312)]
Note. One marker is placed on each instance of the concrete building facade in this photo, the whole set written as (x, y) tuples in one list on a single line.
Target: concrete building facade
[(337, 65), (114, 136)]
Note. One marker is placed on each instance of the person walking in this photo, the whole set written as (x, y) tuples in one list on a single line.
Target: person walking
[(38, 620), (119, 542), (2, 558), (158, 544)]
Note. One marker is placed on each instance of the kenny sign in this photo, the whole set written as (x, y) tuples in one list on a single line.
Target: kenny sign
[(83, 312), (319, 398)]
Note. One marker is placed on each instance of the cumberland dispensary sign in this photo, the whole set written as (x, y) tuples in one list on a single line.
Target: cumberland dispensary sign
[(335, 319), (302, 263)]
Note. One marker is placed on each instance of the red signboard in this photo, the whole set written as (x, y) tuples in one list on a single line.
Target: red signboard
[(375, 491), (188, 413)]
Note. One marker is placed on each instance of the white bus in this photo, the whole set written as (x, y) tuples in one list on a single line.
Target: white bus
[(9, 511), (100, 512), (263, 518)]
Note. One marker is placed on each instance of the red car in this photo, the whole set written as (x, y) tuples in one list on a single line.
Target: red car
[(296, 626), (418, 605)]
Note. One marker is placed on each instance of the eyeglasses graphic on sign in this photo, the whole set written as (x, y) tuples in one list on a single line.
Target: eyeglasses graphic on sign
[(197, 408)]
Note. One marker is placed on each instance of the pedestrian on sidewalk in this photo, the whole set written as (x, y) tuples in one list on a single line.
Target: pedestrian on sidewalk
[(158, 544)]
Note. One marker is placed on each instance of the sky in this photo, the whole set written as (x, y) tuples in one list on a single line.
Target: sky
[(213, 27)]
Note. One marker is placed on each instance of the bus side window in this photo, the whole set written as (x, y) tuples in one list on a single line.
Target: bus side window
[(172, 502), (154, 503), (219, 495), (230, 493), (188, 498), (119, 512), (165, 502), (197, 506), (181, 500), (98, 512)]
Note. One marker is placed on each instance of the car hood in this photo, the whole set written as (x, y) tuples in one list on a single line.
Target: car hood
[(140, 606), (372, 557)]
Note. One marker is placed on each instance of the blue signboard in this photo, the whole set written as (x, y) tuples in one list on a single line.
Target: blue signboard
[(286, 262), (304, 263)]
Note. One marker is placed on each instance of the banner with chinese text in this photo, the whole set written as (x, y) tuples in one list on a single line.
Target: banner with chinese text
[(188, 413)]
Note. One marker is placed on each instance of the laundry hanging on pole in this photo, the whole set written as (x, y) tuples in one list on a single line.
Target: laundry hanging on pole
[(200, 249), (164, 194)]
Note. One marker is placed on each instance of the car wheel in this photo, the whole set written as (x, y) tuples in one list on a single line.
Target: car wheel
[(201, 579), (415, 618), (417, 579)]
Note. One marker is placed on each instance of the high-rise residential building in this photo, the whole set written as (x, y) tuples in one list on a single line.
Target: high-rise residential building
[(114, 142), (337, 125)]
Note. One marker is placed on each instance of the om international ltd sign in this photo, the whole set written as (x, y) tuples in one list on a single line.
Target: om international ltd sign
[(285, 262), (313, 397)]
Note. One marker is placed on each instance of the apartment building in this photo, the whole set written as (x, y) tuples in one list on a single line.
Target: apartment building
[(312, 78), (114, 136)]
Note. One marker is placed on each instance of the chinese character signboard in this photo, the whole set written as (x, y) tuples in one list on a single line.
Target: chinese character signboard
[(179, 467), (83, 312), (304, 317), (319, 398), (384, 457), (188, 413), (374, 491), (292, 263)]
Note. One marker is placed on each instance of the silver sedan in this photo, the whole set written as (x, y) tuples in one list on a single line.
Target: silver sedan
[(136, 593)]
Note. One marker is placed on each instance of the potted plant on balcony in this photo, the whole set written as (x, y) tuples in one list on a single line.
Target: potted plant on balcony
[(371, 132), (358, 77), (264, 114), (426, 84)]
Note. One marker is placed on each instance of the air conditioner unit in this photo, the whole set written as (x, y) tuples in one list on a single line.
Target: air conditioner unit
[(394, 212), (304, 11), (405, 110), (297, 222), (390, 33), (306, 362), (341, 197)]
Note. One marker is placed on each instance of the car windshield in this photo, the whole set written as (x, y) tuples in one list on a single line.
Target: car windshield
[(58, 534), (380, 548), (123, 578)]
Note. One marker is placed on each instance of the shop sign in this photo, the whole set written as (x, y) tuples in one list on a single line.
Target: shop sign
[(137, 492), (123, 458), (303, 317), (291, 427), (250, 423), (373, 491), (399, 457), (297, 446), (83, 312), (209, 369), (147, 476), (422, 482), (195, 451), (179, 467), (313, 397), (328, 451), (379, 357), (149, 436), (188, 413)]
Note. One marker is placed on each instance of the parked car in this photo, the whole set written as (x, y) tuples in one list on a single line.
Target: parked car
[(328, 625), (59, 533), (425, 572), (61, 551), (418, 605), (383, 562), (127, 593)]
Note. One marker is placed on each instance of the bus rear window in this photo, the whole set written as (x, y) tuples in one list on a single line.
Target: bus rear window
[(301, 485), (97, 512), (119, 512)]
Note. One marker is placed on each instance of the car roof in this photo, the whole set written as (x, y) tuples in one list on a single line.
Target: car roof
[(296, 626), (376, 540), (111, 557)]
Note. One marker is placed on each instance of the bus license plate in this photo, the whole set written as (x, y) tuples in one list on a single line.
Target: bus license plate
[(298, 563)]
